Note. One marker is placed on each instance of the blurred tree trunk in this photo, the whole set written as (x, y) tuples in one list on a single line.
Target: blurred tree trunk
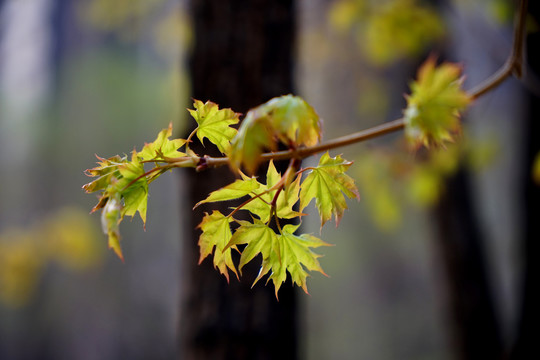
[(476, 332), (475, 327), (525, 346), (242, 57)]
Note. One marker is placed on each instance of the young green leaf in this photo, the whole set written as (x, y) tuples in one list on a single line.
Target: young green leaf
[(237, 189), (216, 235), (262, 207), (434, 106), (214, 124), (104, 171), (288, 118), (327, 183), (260, 239), (162, 147), (133, 187), (293, 255)]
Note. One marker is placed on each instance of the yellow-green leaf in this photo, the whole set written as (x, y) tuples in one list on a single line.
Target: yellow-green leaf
[(104, 171), (162, 147), (327, 184), (237, 189), (285, 200), (434, 106), (260, 239), (295, 257), (214, 124), (216, 235), (133, 187)]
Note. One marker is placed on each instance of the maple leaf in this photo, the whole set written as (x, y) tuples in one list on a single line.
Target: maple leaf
[(133, 188), (434, 106), (281, 253), (237, 189), (288, 118), (216, 235), (162, 147), (260, 239), (214, 124), (327, 184), (104, 171), (262, 206), (296, 257)]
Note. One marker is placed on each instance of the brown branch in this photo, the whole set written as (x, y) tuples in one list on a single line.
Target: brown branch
[(512, 66)]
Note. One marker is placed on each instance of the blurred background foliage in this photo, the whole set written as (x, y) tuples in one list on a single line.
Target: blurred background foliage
[(112, 76)]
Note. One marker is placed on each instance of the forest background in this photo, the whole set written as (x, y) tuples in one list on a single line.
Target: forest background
[(86, 77)]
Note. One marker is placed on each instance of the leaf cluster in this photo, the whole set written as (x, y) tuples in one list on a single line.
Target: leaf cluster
[(123, 182), (282, 250), (431, 118)]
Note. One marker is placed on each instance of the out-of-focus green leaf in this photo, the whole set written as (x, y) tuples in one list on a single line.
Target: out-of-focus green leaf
[(435, 104), (398, 29), (345, 13)]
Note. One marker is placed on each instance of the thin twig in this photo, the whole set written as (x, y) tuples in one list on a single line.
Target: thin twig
[(512, 66)]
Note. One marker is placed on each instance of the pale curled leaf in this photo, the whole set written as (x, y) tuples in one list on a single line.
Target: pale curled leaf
[(110, 218), (288, 119)]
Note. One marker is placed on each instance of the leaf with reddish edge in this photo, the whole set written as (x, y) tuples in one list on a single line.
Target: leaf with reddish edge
[(216, 235), (214, 123), (327, 184)]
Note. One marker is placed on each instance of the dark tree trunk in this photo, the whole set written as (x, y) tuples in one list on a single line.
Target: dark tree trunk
[(242, 57), (526, 346), (476, 332), (475, 329)]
